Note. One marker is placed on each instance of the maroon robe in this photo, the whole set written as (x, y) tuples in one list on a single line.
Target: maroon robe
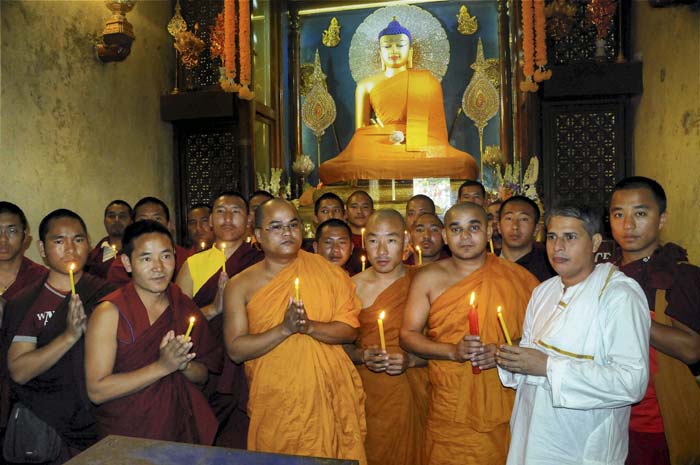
[(172, 408), (228, 394), (95, 265), (118, 275), (30, 273)]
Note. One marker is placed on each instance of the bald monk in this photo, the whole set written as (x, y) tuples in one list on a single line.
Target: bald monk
[(468, 413), (306, 397), (148, 208), (140, 368), (203, 278), (426, 233), (396, 383)]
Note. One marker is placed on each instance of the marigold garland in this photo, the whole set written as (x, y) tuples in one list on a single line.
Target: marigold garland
[(244, 43), (228, 80), (541, 73), (528, 85)]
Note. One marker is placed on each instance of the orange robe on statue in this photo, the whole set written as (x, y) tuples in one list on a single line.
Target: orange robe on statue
[(306, 397), (469, 415), (410, 102), (396, 406)]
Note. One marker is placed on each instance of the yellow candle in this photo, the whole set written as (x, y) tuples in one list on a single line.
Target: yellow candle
[(380, 322), (189, 328), (72, 280), (223, 265), (114, 249), (420, 255), (363, 260), (491, 245), (296, 288), (503, 326), (362, 231)]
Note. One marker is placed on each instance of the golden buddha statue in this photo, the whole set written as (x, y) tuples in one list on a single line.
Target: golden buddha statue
[(407, 137)]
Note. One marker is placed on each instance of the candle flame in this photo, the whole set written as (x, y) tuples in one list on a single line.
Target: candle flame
[(363, 258), (471, 299), (72, 266), (202, 245), (192, 320), (382, 315), (223, 247), (498, 310), (417, 248), (296, 281), (362, 231)]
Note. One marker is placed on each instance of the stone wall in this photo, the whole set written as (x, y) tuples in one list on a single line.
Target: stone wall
[(75, 132)]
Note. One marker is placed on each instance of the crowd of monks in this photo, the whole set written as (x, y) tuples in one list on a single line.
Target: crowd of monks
[(388, 338)]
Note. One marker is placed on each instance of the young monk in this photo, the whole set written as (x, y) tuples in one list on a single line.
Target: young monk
[(426, 233), (306, 397), (203, 278), (468, 412), (141, 369), (396, 383), (334, 243), (43, 334), (358, 208), (117, 217), (16, 270)]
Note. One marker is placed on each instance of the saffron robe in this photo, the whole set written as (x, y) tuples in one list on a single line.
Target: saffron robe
[(58, 396), (29, 274), (410, 102), (228, 393), (469, 413), (396, 406), (596, 337), (306, 397), (172, 408)]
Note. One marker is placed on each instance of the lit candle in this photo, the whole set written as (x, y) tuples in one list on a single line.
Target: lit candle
[(473, 326), (380, 323), (189, 328), (72, 280), (202, 245), (296, 288), (362, 231), (114, 249), (223, 265), (363, 260), (420, 255), (503, 326), (248, 240), (491, 245)]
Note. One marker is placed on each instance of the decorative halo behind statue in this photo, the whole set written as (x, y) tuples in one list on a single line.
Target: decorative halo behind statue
[(431, 49)]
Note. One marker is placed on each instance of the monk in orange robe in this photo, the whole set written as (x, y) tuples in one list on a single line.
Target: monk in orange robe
[(396, 383), (305, 395), (469, 410)]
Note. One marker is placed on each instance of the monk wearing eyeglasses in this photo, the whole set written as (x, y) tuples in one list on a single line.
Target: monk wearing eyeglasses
[(306, 397)]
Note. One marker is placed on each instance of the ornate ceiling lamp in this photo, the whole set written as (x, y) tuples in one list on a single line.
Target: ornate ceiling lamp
[(118, 34)]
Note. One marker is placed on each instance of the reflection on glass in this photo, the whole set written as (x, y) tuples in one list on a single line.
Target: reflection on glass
[(263, 150), (261, 46)]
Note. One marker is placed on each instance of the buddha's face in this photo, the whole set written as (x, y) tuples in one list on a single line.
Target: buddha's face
[(395, 50)]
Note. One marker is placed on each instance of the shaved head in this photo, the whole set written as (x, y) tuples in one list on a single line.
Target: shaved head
[(269, 206), (386, 215), (466, 207)]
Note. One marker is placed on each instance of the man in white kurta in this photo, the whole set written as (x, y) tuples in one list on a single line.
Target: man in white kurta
[(583, 357)]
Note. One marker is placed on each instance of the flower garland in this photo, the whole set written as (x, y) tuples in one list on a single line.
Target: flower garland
[(541, 73), (244, 43), (528, 85), (228, 79)]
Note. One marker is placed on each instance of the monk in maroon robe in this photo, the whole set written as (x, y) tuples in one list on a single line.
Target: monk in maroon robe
[(143, 363), (117, 217), (203, 278)]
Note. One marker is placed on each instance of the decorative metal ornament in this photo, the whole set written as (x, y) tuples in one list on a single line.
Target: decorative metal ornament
[(318, 110), (331, 36), (309, 79), (466, 23), (480, 101), (431, 49), (177, 24)]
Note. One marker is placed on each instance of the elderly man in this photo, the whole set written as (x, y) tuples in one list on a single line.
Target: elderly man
[(583, 357)]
